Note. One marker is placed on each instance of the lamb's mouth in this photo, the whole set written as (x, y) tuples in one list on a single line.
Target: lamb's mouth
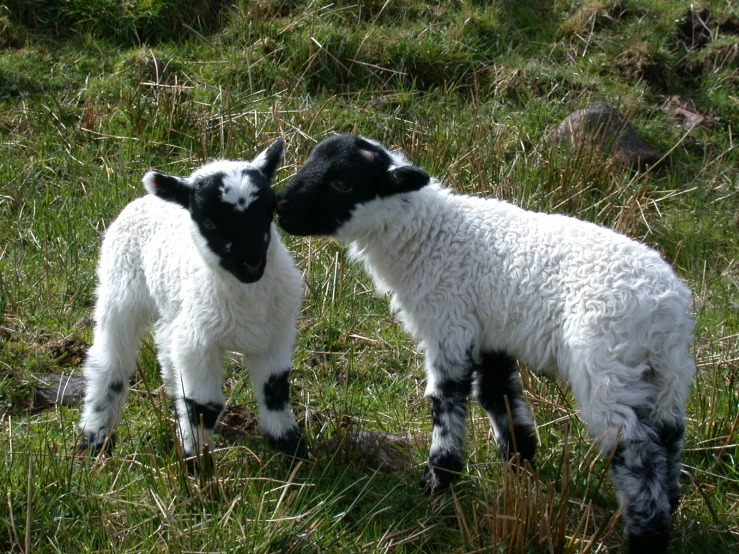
[(288, 225), (243, 270)]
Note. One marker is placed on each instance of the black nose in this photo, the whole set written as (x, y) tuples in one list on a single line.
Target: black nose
[(282, 204), (254, 269)]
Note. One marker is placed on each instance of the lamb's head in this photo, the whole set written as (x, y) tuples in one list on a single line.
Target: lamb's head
[(231, 205), (342, 172)]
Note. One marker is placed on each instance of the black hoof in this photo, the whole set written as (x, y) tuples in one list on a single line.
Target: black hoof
[(291, 444), (525, 441), (521, 462), (89, 446), (201, 464), (440, 472), (648, 543)]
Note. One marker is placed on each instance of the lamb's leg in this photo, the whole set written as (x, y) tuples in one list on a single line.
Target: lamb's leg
[(645, 455), (671, 438), (449, 385), (271, 374), (163, 341), (198, 398), (640, 471), (497, 387), (109, 366)]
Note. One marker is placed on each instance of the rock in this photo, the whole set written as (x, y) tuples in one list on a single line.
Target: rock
[(600, 127), (374, 450), (59, 389), (686, 112), (85, 322), (158, 70)]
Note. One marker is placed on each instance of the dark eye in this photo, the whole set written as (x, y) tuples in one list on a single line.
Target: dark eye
[(340, 186), (208, 224)]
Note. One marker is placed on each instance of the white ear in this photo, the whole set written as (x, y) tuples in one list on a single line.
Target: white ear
[(167, 187), (268, 160), (367, 155), (150, 183)]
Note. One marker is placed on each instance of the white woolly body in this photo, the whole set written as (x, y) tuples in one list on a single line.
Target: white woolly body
[(154, 265), (563, 295)]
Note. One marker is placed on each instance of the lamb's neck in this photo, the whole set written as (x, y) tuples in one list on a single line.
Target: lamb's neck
[(394, 236)]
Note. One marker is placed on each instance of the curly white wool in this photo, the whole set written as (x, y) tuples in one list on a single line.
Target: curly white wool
[(559, 293), (155, 264)]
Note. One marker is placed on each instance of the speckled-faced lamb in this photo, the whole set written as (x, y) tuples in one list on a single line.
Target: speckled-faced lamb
[(201, 256), (482, 283)]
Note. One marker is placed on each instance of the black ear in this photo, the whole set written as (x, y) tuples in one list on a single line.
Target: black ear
[(268, 160), (168, 187), (406, 178)]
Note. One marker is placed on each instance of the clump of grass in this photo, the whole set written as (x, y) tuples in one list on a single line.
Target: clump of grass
[(592, 16), (523, 512), (127, 23)]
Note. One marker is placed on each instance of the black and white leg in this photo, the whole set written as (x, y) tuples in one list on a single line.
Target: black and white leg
[(497, 388), (671, 437), (108, 368), (198, 396), (449, 385), (271, 376), (641, 473)]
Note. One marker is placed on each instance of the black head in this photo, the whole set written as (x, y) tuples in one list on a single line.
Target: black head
[(341, 173), (231, 205)]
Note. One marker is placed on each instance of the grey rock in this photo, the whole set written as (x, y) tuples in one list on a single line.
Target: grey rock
[(85, 322), (158, 70), (59, 389), (600, 127), (387, 452)]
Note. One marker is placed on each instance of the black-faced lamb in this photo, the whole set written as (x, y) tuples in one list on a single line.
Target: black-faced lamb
[(482, 283), (200, 256)]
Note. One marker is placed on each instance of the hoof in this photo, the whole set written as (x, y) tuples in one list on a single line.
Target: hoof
[(90, 444), (290, 444), (440, 472), (201, 464), (648, 543)]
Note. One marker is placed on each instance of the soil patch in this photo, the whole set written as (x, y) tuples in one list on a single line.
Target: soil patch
[(373, 450), (237, 422), (694, 32), (68, 352)]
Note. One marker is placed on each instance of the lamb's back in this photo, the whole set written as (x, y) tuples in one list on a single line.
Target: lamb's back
[(544, 279)]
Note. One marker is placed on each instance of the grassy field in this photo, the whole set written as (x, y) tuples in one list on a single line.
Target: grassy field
[(471, 91)]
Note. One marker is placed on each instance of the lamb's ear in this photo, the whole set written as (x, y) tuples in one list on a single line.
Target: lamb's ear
[(168, 187), (406, 178), (268, 160)]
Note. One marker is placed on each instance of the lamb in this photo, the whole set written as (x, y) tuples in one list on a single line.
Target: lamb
[(482, 283), (201, 256)]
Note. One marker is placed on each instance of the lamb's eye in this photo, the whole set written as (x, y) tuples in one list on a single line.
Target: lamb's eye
[(208, 224), (340, 186)]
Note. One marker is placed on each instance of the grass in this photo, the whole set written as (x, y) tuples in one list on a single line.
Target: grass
[(471, 91)]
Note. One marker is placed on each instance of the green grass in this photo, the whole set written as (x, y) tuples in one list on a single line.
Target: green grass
[(471, 91)]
